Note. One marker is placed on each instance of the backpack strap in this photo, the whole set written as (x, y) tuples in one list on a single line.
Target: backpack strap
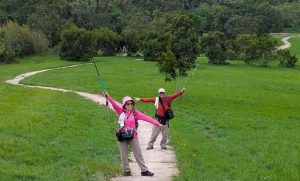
[(160, 100), (135, 118), (166, 99)]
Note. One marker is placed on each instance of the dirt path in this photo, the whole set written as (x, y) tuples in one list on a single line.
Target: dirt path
[(286, 43), (160, 162)]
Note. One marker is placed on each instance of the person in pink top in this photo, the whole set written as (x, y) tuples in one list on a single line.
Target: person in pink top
[(128, 117)]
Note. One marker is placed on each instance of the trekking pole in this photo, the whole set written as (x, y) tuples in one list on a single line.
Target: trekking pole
[(191, 75), (190, 78), (100, 80)]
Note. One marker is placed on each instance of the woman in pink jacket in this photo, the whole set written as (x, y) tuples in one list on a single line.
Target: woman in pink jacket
[(128, 117)]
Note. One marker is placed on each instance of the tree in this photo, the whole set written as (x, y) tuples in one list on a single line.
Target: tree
[(260, 51), (107, 41), (214, 46), (166, 64), (117, 19), (3, 17), (201, 11), (49, 19), (77, 44), (237, 25), (211, 17), (183, 44), (241, 42), (290, 13), (130, 39), (155, 44), (138, 19), (86, 17), (268, 18)]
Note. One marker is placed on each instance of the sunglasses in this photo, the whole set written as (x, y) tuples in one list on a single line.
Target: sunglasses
[(129, 104), (161, 93)]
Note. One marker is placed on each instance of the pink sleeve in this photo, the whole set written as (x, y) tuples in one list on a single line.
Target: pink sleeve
[(141, 116), (116, 107)]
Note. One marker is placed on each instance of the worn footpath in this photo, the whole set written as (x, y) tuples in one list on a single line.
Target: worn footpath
[(161, 162)]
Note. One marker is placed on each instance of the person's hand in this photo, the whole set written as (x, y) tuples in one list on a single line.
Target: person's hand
[(105, 94), (137, 99), (183, 90), (161, 126)]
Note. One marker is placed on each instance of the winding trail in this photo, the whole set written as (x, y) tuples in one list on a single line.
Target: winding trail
[(287, 44), (161, 162)]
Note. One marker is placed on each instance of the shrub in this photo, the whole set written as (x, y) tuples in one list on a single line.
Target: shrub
[(286, 59), (77, 45), (22, 41), (7, 55)]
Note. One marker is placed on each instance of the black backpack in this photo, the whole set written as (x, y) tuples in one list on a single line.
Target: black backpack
[(125, 134), (168, 113)]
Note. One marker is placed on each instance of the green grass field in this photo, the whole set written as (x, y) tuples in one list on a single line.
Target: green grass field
[(235, 122), (278, 38), (51, 135), (294, 49)]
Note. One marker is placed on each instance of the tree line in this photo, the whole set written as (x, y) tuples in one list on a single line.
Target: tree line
[(231, 17), (171, 32)]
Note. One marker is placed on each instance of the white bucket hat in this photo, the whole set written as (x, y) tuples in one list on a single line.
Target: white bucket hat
[(161, 90)]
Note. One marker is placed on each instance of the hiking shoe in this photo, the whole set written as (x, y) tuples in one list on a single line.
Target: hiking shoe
[(164, 148), (149, 148), (147, 173), (127, 173)]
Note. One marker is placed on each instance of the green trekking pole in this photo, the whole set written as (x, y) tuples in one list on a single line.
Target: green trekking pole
[(100, 80)]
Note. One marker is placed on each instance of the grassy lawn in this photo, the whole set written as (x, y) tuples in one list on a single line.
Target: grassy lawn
[(235, 122), (51, 135), (294, 49), (278, 37)]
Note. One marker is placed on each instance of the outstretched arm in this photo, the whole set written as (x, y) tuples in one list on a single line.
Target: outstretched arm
[(116, 107), (141, 116), (171, 97), (146, 99)]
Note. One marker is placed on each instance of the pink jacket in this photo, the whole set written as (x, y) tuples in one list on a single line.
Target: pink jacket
[(130, 122)]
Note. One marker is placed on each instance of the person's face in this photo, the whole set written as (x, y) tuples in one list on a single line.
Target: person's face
[(161, 94), (129, 105)]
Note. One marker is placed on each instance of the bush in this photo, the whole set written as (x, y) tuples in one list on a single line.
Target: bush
[(22, 41), (6, 54), (231, 54), (286, 59), (55, 50), (77, 45), (40, 42)]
